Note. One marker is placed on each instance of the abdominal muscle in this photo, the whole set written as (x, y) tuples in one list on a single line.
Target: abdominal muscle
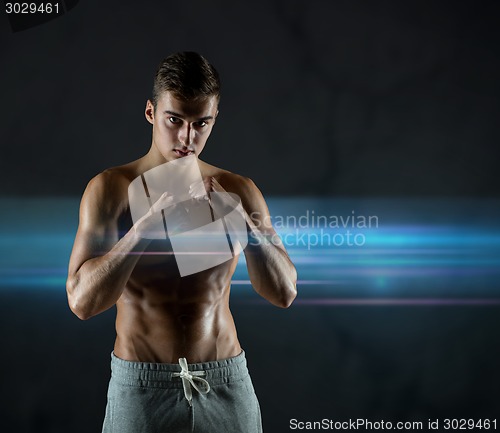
[(163, 319)]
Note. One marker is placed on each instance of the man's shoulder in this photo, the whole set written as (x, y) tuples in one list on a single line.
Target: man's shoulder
[(109, 189), (233, 182), (111, 181), (251, 197)]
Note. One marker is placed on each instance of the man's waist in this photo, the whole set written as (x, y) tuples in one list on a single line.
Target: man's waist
[(166, 375)]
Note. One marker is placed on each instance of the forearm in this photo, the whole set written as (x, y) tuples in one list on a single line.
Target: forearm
[(271, 271), (99, 282)]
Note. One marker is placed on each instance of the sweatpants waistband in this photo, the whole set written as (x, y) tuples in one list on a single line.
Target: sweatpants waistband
[(163, 375)]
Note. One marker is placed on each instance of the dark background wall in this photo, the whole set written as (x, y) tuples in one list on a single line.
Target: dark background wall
[(320, 97)]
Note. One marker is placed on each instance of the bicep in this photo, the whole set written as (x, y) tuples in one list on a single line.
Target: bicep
[(97, 229), (256, 207)]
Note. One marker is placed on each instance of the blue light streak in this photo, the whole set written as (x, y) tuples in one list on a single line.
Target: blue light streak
[(441, 251)]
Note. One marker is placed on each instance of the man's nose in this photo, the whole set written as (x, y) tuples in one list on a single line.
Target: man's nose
[(185, 135)]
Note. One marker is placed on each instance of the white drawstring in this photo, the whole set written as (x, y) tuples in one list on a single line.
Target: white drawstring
[(188, 380)]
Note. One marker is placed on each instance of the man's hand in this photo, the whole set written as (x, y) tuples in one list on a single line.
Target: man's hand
[(226, 197), (199, 190), (150, 222), (229, 203)]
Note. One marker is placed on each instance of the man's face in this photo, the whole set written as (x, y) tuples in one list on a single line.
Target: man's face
[(181, 128)]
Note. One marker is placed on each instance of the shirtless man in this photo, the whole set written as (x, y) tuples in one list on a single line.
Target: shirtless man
[(177, 364)]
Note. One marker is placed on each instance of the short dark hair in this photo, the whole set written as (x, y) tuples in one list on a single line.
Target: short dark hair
[(188, 75)]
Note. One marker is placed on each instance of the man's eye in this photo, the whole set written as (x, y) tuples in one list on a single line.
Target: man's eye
[(174, 119), (201, 123)]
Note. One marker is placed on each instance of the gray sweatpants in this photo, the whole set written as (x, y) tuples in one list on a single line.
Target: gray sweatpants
[(209, 397)]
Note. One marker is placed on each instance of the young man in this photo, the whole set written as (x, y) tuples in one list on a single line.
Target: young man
[(177, 364)]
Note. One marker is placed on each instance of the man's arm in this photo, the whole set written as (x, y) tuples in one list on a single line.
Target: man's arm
[(100, 264), (271, 271)]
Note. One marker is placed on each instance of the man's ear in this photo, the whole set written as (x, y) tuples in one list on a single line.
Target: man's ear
[(149, 112), (216, 114)]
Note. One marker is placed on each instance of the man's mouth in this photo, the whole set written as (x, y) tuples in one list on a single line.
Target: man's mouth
[(183, 153)]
